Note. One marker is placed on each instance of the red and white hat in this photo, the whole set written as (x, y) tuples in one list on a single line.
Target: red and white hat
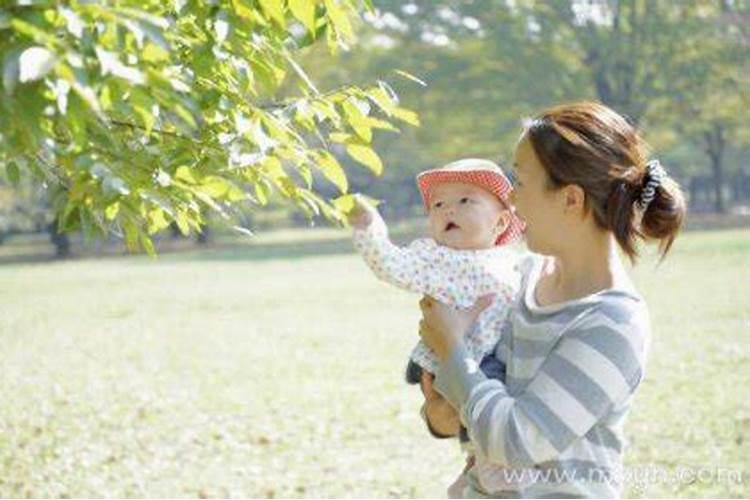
[(483, 173)]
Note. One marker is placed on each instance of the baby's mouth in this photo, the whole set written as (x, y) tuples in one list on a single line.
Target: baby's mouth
[(451, 225)]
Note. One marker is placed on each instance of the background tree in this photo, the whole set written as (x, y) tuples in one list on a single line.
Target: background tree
[(488, 64), (709, 83)]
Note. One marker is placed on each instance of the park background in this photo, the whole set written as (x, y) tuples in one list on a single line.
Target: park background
[(256, 355)]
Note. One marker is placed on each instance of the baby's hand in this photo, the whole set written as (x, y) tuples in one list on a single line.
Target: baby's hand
[(362, 214)]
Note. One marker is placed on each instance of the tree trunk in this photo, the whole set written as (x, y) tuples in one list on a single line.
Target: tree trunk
[(60, 240), (205, 236), (715, 150), (716, 167)]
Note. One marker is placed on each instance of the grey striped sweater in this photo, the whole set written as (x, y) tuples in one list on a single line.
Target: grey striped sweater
[(572, 369)]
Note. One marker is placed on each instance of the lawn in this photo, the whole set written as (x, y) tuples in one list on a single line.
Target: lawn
[(274, 368)]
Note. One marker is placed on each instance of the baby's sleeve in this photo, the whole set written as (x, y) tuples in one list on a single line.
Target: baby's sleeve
[(474, 276), (416, 267), (502, 277)]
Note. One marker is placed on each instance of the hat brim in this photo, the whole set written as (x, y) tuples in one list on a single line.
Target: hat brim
[(494, 182)]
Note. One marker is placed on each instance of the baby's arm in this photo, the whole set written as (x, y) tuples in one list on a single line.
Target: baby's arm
[(414, 268)]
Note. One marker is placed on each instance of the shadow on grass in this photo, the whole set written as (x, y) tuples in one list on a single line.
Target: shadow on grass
[(44, 254), (265, 251), (30, 258), (40, 253), (293, 249)]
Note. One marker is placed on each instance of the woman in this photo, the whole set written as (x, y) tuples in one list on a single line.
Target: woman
[(576, 341)]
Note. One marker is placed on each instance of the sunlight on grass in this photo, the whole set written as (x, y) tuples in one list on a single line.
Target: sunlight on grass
[(236, 372)]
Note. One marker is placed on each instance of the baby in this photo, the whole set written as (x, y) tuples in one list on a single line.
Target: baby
[(470, 223)]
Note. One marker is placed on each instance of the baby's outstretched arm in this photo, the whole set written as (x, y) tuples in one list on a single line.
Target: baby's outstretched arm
[(412, 268)]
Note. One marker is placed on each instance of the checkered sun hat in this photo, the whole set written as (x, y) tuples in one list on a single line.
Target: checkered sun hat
[(482, 173)]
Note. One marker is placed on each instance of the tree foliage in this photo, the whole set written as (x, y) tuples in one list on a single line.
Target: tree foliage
[(134, 115)]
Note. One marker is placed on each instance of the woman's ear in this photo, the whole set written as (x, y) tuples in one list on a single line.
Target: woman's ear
[(574, 198)]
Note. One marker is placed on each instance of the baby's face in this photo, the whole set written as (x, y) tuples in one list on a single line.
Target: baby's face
[(465, 216)]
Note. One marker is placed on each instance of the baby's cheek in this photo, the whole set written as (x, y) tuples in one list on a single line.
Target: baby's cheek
[(434, 227)]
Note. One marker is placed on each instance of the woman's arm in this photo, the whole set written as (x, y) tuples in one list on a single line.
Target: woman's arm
[(589, 371)]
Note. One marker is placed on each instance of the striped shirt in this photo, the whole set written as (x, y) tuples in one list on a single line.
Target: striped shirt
[(572, 369)]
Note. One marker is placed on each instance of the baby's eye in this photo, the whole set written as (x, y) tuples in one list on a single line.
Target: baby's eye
[(464, 200), (438, 204)]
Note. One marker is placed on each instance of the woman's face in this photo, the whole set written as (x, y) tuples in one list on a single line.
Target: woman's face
[(540, 206)]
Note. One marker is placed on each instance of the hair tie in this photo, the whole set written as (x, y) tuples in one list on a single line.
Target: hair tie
[(655, 175)]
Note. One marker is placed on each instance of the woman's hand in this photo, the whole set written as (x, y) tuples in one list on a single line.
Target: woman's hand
[(442, 327), (441, 416)]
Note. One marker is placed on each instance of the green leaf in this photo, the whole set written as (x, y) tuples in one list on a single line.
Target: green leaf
[(339, 19), (142, 106), (325, 110), (272, 167), (380, 97), (182, 223), (14, 174), (306, 174), (221, 188), (148, 245), (366, 156), (380, 124), (214, 186), (357, 120), (343, 205), (411, 77), (112, 210), (262, 191), (304, 11), (406, 115), (234, 193), (156, 221), (154, 54), (340, 137), (131, 235), (243, 10), (185, 174), (275, 10), (332, 170)]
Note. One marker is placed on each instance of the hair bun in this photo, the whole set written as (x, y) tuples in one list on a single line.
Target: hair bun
[(664, 215)]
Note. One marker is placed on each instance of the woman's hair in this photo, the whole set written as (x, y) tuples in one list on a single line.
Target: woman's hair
[(592, 146)]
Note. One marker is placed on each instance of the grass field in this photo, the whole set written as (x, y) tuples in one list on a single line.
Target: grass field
[(275, 369)]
